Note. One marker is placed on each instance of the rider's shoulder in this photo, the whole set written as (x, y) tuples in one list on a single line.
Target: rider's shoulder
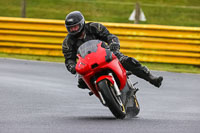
[(95, 25), (68, 41)]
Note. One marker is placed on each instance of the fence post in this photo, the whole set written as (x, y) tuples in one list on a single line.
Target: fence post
[(137, 13), (23, 9)]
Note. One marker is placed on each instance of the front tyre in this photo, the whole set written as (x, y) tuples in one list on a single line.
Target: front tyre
[(112, 101)]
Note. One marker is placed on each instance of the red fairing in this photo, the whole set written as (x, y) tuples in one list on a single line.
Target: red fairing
[(108, 77), (95, 62)]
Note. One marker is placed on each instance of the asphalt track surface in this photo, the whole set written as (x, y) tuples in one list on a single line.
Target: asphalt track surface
[(42, 97)]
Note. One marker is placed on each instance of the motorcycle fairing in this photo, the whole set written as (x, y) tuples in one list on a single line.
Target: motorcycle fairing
[(96, 59)]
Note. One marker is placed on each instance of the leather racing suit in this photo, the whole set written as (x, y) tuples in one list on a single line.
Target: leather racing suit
[(94, 31)]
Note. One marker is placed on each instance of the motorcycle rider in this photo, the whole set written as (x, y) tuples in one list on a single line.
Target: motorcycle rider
[(80, 32)]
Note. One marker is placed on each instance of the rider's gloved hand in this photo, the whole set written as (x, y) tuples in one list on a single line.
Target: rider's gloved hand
[(114, 46), (71, 68)]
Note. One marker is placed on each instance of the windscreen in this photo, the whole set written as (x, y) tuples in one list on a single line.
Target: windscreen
[(88, 47)]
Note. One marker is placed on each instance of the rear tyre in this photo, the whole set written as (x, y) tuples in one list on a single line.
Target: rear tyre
[(134, 109), (112, 101)]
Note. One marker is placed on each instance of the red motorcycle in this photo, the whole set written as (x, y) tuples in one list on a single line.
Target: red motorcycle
[(107, 78)]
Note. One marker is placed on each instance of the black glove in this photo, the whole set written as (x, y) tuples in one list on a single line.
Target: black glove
[(71, 68), (114, 46)]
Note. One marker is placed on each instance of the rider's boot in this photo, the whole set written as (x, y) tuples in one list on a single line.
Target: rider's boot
[(143, 72), (156, 81), (82, 84), (137, 69)]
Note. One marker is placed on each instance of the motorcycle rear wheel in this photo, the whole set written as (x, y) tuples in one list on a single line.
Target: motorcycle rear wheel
[(117, 109)]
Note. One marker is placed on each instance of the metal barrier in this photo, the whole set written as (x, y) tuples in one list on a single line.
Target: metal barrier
[(148, 43)]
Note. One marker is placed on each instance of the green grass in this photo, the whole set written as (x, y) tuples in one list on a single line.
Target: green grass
[(163, 12), (179, 68), (32, 57), (152, 66)]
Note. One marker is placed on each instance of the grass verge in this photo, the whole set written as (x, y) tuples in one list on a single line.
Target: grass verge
[(162, 12), (152, 66)]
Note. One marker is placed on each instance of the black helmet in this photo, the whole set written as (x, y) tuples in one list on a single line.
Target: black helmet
[(75, 23)]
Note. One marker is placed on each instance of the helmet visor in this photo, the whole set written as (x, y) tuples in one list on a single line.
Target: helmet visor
[(75, 28)]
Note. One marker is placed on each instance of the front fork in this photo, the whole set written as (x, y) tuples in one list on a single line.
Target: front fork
[(125, 97), (115, 87)]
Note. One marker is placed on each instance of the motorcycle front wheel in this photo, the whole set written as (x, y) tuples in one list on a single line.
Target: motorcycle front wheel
[(113, 102)]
